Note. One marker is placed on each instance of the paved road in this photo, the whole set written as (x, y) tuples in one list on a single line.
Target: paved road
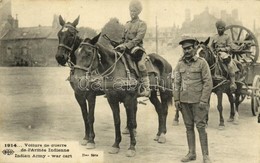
[(37, 104)]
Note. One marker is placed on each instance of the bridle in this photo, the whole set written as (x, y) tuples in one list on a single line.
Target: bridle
[(70, 49), (108, 71), (200, 48), (213, 66), (88, 69)]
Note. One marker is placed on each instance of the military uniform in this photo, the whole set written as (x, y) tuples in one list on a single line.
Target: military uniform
[(132, 43), (223, 41), (221, 45), (192, 87), (134, 33), (189, 83), (133, 37)]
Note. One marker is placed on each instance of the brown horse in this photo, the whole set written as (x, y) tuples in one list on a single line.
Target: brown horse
[(69, 41), (120, 86)]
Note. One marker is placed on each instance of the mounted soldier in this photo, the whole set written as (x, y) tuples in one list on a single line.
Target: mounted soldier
[(132, 43), (221, 45)]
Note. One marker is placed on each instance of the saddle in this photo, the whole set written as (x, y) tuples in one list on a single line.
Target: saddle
[(132, 65)]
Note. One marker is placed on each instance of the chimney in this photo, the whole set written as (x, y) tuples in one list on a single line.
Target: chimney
[(15, 25)]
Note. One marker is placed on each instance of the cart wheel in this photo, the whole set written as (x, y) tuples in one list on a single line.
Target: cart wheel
[(255, 100), (242, 36)]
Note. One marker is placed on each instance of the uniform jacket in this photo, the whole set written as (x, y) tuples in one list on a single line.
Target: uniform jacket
[(223, 41), (193, 81), (134, 33)]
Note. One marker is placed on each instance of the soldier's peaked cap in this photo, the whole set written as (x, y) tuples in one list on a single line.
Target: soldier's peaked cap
[(186, 42)]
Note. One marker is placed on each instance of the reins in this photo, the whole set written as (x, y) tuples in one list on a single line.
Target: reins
[(108, 71)]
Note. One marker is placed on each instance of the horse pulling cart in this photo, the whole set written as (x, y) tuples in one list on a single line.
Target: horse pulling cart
[(245, 48)]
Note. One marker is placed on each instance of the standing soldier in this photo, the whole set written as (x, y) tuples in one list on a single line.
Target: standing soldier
[(132, 43), (221, 45), (192, 88)]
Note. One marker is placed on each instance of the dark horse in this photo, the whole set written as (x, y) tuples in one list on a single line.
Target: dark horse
[(120, 86), (69, 41), (221, 83)]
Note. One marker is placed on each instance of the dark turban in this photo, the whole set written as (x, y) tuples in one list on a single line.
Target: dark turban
[(220, 24)]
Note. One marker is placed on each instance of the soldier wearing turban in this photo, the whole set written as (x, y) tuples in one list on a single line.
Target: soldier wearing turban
[(132, 43), (221, 45)]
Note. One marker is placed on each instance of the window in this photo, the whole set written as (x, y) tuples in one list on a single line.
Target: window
[(9, 51)]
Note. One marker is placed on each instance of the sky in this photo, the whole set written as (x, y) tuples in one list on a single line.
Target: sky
[(96, 13)]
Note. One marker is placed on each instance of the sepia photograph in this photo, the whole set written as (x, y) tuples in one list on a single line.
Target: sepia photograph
[(112, 81)]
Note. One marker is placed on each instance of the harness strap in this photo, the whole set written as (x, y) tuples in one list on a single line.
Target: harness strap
[(125, 64), (71, 26), (66, 47), (81, 68), (113, 67)]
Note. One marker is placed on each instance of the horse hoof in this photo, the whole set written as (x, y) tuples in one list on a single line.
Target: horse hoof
[(220, 127), (84, 142), (230, 120), (156, 138), (125, 131), (162, 139), (175, 123), (90, 145), (130, 153), (236, 122), (113, 150)]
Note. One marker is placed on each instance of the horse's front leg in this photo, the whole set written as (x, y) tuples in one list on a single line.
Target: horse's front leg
[(130, 104), (81, 99), (236, 116), (232, 109), (220, 110), (126, 130), (91, 97), (114, 104)]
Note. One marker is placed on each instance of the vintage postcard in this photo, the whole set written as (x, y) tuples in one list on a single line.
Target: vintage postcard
[(71, 72)]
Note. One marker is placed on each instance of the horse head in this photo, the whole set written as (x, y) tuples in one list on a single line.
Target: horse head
[(87, 57), (67, 39), (205, 52)]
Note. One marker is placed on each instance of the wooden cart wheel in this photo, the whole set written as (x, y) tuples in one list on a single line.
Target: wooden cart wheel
[(244, 38), (255, 100)]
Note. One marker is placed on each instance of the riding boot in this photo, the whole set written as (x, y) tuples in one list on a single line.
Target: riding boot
[(145, 84), (192, 147), (204, 145)]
